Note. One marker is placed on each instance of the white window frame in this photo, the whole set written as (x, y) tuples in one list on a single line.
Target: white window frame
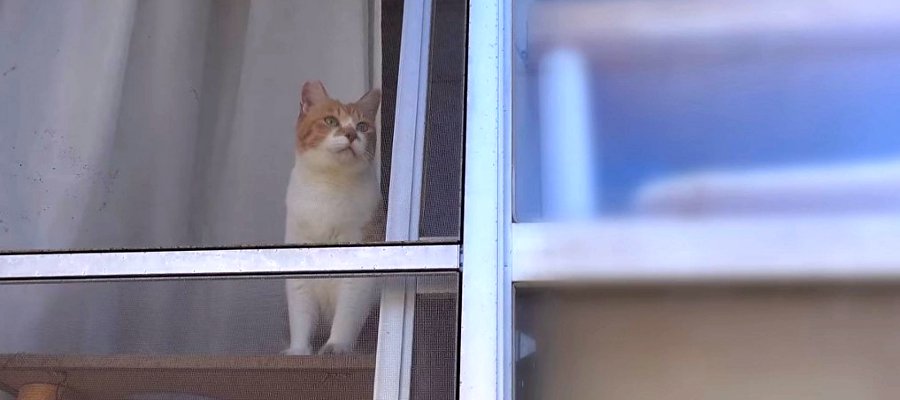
[(136, 264), (485, 367), (844, 249)]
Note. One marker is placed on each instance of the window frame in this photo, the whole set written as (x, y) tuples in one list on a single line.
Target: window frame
[(182, 263), (399, 252), (402, 251), (834, 249), (500, 251), (713, 250), (485, 362)]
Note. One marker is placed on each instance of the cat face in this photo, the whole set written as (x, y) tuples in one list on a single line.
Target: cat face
[(332, 134)]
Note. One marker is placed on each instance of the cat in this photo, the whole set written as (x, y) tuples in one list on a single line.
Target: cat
[(333, 196)]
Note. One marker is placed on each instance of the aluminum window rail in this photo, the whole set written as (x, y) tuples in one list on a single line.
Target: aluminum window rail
[(485, 328), (243, 261)]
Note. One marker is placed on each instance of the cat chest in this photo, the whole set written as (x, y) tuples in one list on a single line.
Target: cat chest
[(332, 207)]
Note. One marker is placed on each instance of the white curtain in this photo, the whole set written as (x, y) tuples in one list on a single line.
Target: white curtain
[(142, 124)]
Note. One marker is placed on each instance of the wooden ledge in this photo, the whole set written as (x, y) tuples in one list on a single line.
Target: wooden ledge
[(220, 377)]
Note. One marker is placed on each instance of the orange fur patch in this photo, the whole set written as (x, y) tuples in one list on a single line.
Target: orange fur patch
[(312, 129)]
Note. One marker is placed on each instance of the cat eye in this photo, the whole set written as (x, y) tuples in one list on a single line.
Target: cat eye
[(362, 127), (331, 121)]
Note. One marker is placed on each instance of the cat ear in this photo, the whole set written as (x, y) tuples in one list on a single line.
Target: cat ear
[(368, 104), (313, 93)]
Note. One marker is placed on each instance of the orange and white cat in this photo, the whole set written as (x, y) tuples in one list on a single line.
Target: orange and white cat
[(333, 197)]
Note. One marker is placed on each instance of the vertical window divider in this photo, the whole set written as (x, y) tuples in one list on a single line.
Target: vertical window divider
[(485, 318), (393, 362)]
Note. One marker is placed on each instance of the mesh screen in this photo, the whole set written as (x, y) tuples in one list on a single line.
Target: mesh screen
[(444, 118), (391, 34), (209, 339), (442, 181), (708, 343), (188, 139)]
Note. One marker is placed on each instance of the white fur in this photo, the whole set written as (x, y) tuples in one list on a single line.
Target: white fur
[(331, 196)]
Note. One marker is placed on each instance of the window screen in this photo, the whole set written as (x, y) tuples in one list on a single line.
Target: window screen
[(142, 124), (208, 338), (441, 194)]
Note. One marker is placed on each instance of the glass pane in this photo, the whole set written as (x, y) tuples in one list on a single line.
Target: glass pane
[(144, 124), (224, 338), (836, 342), (705, 107)]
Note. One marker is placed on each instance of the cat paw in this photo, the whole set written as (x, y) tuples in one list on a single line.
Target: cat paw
[(297, 351), (336, 348)]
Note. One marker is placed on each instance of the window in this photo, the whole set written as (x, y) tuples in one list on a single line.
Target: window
[(704, 198), (147, 148), (124, 339), (761, 113), (709, 188), (187, 112)]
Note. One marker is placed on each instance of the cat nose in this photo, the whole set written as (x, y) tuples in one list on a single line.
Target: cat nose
[(351, 134)]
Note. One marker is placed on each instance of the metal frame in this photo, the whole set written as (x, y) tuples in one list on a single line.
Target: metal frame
[(724, 250), (375, 67), (485, 334), (409, 128), (242, 261), (393, 362)]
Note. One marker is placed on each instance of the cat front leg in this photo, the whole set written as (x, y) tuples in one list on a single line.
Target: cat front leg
[(303, 314), (352, 307)]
